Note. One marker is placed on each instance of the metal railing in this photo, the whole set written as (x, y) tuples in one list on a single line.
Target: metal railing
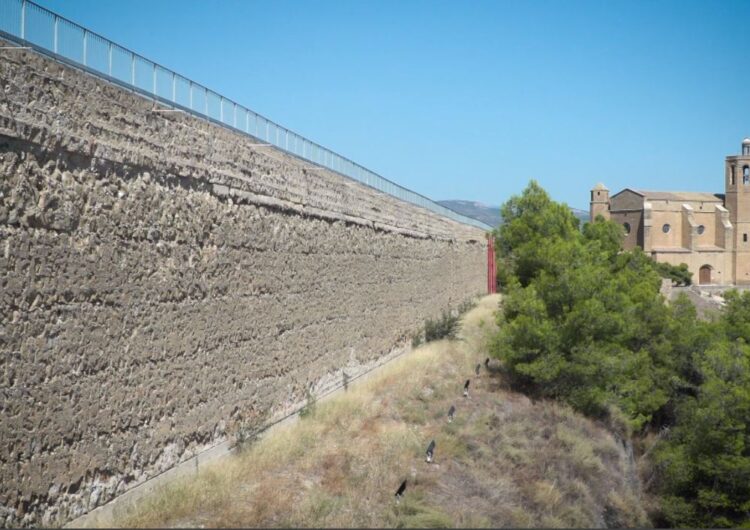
[(29, 24)]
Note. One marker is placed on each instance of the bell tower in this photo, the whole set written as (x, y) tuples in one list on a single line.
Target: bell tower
[(599, 202), (737, 185)]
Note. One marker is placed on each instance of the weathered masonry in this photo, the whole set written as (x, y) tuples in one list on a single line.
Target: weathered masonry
[(164, 279)]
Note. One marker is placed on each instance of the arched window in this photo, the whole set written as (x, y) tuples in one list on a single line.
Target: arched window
[(626, 226), (701, 229), (666, 228), (744, 238), (746, 175)]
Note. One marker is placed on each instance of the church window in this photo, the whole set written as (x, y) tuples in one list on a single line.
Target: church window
[(744, 238), (731, 176), (746, 175), (626, 226), (666, 228), (701, 229)]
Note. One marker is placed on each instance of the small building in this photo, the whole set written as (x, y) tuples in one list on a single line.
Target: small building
[(707, 231)]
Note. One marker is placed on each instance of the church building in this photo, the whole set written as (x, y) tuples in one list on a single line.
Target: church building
[(707, 231)]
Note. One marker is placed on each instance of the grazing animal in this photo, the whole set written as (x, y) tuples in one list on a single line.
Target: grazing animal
[(430, 451), (400, 491), (487, 363), (476, 370), (466, 388), (451, 413)]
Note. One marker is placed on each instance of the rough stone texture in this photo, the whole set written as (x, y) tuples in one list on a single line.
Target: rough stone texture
[(162, 280)]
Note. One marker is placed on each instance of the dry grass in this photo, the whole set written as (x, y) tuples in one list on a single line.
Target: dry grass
[(504, 461)]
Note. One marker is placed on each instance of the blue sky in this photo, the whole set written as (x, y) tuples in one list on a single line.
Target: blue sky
[(470, 100)]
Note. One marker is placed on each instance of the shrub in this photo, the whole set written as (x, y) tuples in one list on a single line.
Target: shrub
[(310, 402), (679, 274), (444, 327), (245, 435)]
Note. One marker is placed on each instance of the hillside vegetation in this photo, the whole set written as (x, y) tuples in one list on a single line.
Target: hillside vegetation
[(504, 461), (584, 323)]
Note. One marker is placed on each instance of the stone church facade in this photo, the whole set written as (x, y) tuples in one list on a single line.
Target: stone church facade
[(707, 231)]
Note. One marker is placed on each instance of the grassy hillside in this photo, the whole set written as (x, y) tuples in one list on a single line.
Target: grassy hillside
[(504, 461)]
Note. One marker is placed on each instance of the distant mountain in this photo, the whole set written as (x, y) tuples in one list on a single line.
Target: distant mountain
[(491, 214), (476, 210), (582, 215)]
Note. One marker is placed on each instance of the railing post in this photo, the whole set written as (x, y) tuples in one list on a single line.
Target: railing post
[(205, 101), (23, 19), (85, 47), (153, 74), (109, 59), (132, 68), (221, 109), (247, 121), (191, 95), (235, 115), (174, 87), (56, 22)]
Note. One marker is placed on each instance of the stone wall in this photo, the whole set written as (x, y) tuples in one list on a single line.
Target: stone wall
[(164, 281)]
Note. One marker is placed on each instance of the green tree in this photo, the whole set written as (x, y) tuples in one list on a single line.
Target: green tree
[(706, 461), (585, 323), (530, 217), (736, 316), (607, 236)]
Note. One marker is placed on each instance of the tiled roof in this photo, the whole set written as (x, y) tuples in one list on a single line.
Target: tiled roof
[(679, 196)]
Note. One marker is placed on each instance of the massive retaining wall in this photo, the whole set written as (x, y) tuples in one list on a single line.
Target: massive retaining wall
[(163, 281)]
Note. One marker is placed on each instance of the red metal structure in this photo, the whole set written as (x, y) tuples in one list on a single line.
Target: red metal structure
[(491, 270)]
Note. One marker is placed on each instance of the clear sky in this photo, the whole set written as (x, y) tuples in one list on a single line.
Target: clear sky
[(470, 99)]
